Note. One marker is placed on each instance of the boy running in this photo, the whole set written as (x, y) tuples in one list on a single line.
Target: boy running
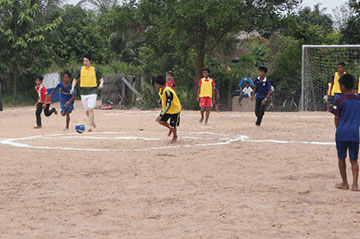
[(170, 80), (335, 90), (262, 90), (44, 101), (206, 95), (66, 99), (347, 121), (89, 77), (171, 107)]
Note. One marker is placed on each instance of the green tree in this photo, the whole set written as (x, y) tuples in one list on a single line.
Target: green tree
[(203, 25), (22, 34)]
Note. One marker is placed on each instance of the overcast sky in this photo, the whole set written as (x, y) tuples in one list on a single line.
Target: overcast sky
[(329, 4)]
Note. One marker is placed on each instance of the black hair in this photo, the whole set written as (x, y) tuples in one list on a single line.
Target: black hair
[(207, 69), (341, 64), (88, 56), (160, 79), (348, 81), (170, 73), (263, 68), (39, 77), (66, 72)]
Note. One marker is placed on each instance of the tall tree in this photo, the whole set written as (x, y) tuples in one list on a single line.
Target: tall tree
[(22, 33), (202, 25)]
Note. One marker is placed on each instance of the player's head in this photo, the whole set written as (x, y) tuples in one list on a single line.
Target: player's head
[(87, 59), (206, 72), (341, 67), (160, 81), (262, 71), (39, 79), (169, 75), (66, 76), (347, 83)]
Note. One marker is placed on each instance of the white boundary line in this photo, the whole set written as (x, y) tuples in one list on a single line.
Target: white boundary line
[(224, 141)]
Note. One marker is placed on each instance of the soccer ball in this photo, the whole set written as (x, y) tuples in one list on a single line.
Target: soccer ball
[(80, 128)]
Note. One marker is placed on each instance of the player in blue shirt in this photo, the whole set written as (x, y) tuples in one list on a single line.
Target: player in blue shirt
[(66, 98), (262, 90), (347, 120)]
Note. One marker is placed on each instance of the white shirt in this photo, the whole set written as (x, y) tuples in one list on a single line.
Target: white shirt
[(247, 91)]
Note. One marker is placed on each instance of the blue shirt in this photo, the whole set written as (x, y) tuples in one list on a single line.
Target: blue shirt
[(262, 88), (216, 87), (65, 91), (347, 108), (248, 80)]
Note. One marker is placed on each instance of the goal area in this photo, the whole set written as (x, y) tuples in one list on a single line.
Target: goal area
[(319, 63)]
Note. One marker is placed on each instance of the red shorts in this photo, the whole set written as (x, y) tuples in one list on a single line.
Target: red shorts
[(206, 102)]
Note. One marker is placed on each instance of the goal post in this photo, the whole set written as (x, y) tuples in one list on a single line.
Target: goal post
[(319, 63)]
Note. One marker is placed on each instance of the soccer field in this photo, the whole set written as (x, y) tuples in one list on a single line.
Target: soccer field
[(228, 179)]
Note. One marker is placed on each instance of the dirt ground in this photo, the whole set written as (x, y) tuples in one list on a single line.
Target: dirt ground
[(228, 179)]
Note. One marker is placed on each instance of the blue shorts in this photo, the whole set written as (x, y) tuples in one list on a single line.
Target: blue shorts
[(343, 146), (336, 96), (62, 105)]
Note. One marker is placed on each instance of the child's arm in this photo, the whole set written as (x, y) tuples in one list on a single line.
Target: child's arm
[(53, 92), (74, 82), (71, 100), (198, 93), (267, 97), (253, 93)]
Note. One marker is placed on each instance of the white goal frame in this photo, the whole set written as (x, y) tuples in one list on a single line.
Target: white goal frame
[(304, 47)]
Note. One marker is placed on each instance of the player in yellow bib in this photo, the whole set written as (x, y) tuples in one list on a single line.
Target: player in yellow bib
[(206, 95), (171, 107), (89, 77), (358, 93), (335, 91)]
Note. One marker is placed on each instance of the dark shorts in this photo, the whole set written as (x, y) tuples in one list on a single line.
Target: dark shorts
[(343, 146), (174, 119)]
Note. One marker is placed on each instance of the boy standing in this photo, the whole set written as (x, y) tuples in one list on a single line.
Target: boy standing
[(335, 90), (171, 107), (43, 101), (170, 80), (347, 121), (262, 90), (89, 77), (206, 95)]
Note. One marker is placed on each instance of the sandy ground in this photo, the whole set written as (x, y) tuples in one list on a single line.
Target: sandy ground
[(225, 180)]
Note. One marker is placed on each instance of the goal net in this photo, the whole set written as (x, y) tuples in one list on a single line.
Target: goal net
[(319, 63)]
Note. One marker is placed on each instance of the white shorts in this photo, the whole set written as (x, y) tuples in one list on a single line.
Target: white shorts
[(89, 101)]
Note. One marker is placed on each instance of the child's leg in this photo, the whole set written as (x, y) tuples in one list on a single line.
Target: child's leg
[(174, 132), (260, 113), (67, 119), (354, 152), (355, 173), (257, 110), (91, 119), (202, 111), (342, 169), (49, 112), (208, 109), (38, 114)]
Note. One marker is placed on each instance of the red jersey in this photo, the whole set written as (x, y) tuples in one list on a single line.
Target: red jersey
[(42, 93), (171, 84)]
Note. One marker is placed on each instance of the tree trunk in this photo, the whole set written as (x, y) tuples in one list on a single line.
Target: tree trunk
[(199, 68)]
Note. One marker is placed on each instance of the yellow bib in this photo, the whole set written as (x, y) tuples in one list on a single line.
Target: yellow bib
[(359, 86), (175, 106), (329, 88), (206, 88), (88, 77), (336, 88)]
